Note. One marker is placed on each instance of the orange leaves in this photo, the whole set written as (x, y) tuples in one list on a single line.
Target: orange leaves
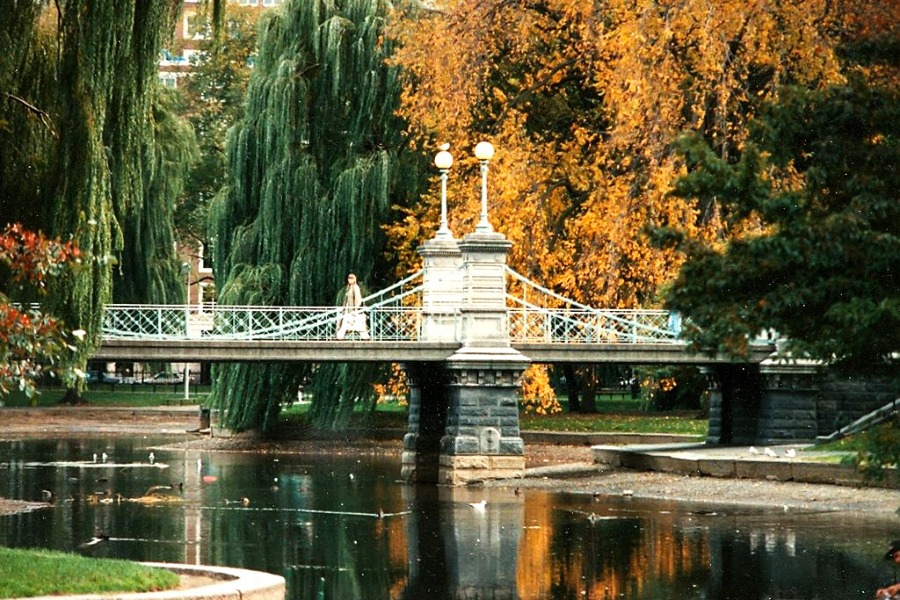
[(582, 100), (538, 396)]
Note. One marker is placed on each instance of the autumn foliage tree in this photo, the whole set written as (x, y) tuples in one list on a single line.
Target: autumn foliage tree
[(820, 174), (32, 342), (583, 100)]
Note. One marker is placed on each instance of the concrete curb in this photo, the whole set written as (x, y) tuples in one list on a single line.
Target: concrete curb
[(698, 459), (567, 438), (233, 584)]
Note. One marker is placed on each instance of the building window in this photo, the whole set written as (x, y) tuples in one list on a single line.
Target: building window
[(188, 24), (169, 80), (202, 266)]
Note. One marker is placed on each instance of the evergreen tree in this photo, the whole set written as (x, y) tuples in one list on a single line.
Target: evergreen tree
[(314, 167), (820, 174)]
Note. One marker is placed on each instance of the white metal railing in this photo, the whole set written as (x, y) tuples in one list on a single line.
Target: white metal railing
[(531, 324), (166, 322), (543, 316), (527, 323), (392, 314)]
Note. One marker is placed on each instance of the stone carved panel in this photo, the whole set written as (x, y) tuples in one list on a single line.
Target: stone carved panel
[(476, 377)]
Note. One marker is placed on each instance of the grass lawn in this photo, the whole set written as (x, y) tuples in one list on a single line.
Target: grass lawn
[(618, 414), (615, 415), (105, 394), (618, 422), (28, 572)]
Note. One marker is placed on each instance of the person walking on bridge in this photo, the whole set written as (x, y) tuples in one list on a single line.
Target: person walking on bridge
[(353, 319)]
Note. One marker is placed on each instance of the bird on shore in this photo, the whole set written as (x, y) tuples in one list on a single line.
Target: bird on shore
[(478, 505), (770, 453), (790, 453), (152, 458), (753, 450)]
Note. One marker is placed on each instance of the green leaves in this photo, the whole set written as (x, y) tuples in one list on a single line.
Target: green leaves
[(824, 270), (314, 168)]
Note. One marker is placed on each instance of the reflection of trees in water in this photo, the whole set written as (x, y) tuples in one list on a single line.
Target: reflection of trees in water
[(607, 551), (354, 554), (528, 546), (323, 533), (596, 554)]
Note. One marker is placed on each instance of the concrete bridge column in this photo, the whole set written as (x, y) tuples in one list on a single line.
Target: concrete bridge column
[(428, 391), (735, 399), (482, 439), (787, 401), (464, 414), (442, 289), (762, 404)]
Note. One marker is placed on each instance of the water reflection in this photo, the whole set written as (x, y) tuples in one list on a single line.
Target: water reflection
[(463, 543), (348, 528)]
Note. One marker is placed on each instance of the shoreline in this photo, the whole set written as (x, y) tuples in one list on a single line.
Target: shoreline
[(554, 467)]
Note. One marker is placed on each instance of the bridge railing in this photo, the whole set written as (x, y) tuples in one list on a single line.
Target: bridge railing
[(540, 315), (533, 324), (392, 314), (167, 322)]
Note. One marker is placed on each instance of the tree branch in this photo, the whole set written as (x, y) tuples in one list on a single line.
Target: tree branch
[(42, 115)]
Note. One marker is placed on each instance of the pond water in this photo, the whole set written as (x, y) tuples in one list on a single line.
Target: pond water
[(346, 528)]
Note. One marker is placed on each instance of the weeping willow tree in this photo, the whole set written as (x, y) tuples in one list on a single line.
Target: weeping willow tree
[(79, 145), (149, 269), (314, 167)]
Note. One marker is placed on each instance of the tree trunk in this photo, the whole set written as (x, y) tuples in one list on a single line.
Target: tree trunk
[(573, 389)]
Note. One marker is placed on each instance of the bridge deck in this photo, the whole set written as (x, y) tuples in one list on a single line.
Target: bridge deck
[(203, 350)]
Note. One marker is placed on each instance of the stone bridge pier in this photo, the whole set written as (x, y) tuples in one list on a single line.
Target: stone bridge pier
[(785, 402), (463, 413)]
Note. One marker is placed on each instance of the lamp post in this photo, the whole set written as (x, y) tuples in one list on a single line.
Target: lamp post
[(484, 152), (443, 160)]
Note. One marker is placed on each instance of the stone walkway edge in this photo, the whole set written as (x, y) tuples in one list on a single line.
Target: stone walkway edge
[(776, 463), (232, 584)]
